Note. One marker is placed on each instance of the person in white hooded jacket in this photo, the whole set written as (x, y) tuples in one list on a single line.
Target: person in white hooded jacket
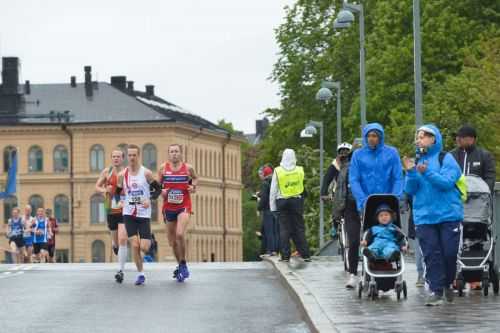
[(286, 198)]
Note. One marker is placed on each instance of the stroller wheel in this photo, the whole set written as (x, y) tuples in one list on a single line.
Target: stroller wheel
[(373, 291), (405, 290), (460, 287), (398, 291), (360, 289), (485, 284)]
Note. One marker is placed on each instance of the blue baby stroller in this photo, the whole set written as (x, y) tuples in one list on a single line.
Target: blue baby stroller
[(381, 275)]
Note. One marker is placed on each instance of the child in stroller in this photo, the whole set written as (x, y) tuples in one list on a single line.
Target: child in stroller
[(384, 240), (383, 265)]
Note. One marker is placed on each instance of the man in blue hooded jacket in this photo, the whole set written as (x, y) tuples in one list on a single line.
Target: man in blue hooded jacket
[(375, 169), (437, 211)]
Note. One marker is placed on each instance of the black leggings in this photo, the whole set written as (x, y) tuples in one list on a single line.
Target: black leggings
[(352, 226)]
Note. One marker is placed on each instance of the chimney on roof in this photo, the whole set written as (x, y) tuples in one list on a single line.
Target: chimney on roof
[(130, 86), (73, 81), (261, 126), (27, 87), (150, 90), (10, 75), (119, 82), (88, 81)]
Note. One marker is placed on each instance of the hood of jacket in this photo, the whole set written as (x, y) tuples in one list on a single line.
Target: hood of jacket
[(373, 127), (288, 159)]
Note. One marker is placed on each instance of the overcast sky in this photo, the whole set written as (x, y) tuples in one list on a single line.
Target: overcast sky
[(210, 57)]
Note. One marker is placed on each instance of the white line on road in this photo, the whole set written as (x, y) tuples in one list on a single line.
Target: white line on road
[(10, 274)]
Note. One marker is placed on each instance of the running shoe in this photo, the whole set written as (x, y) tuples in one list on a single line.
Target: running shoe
[(176, 272), (141, 279), (434, 300), (183, 273), (119, 277)]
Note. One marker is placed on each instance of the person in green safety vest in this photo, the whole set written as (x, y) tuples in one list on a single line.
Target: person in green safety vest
[(286, 198)]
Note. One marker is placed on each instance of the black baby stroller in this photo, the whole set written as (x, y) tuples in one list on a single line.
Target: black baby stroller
[(476, 257), (380, 274)]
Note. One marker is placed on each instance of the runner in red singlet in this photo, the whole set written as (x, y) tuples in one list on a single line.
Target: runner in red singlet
[(179, 181)]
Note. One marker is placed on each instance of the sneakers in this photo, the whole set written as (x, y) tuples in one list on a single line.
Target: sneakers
[(352, 282), (119, 277), (395, 256), (141, 279), (420, 282), (369, 254), (183, 273), (176, 272), (449, 295), (434, 300), (308, 259)]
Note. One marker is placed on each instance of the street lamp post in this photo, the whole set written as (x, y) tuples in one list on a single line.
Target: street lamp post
[(344, 20), (324, 95), (308, 132), (417, 64)]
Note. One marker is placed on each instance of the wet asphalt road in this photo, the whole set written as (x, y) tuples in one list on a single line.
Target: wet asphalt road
[(230, 297)]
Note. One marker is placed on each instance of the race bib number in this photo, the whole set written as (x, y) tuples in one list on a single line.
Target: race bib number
[(135, 196), (175, 197)]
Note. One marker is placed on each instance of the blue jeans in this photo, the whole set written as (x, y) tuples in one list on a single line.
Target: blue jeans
[(271, 232), (439, 244)]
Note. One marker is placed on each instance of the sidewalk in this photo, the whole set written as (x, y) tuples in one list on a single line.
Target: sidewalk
[(319, 287)]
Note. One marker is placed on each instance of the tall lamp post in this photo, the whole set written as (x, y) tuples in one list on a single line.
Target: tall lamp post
[(325, 94), (344, 20), (308, 132), (417, 53)]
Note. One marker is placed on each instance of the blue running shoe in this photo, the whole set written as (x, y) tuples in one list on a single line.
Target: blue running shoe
[(183, 273), (176, 272), (141, 279)]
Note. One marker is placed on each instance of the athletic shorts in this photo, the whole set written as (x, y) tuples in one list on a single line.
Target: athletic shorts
[(52, 249), (19, 240), (171, 215), (137, 226), (114, 220), (37, 247), (28, 241)]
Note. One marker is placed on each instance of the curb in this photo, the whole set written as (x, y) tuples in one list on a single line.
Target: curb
[(313, 313)]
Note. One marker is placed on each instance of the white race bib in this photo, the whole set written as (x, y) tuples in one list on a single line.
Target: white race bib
[(175, 197)]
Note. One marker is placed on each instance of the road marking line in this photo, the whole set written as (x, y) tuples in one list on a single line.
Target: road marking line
[(8, 274)]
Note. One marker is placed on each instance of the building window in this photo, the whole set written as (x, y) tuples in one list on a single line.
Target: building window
[(60, 159), (62, 256), (154, 210), (96, 158), (8, 156), (61, 208), (98, 251), (149, 156), (123, 147), (97, 211), (35, 159), (35, 201), (8, 203)]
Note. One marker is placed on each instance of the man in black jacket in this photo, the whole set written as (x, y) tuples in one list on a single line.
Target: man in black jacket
[(472, 159), (270, 227)]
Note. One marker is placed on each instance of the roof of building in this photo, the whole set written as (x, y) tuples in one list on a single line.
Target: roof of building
[(107, 104)]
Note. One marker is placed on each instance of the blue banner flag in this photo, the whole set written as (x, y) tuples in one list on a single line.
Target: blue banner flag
[(10, 187)]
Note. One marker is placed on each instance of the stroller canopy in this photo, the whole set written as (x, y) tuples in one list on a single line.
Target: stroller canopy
[(478, 207), (373, 202)]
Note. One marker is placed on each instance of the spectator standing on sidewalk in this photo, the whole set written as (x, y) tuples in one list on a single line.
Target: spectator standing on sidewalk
[(270, 228), (437, 211), (287, 198)]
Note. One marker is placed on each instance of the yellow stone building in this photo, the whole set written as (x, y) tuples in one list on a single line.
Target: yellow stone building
[(64, 135)]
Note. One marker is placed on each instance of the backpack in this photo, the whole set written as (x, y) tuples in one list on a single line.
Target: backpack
[(461, 183), (341, 192)]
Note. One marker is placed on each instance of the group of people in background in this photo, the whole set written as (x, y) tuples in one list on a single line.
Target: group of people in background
[(427, 181), (32, 238)]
